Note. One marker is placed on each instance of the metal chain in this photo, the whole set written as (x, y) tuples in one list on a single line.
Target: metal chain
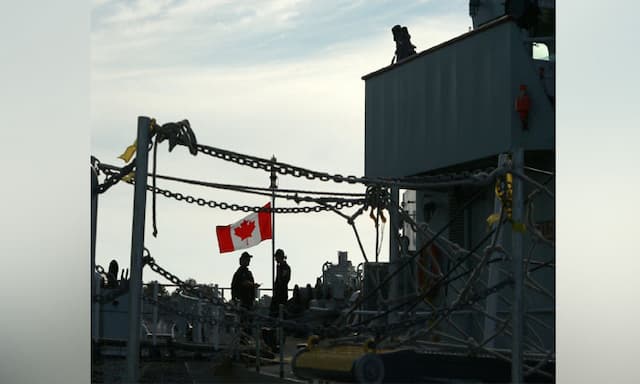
[(286, 169), (377, 197), (478, 176), (113, 177), (148, 260), (181, 313), (345, 203), (101, 271), (229, 307), (111, 295)]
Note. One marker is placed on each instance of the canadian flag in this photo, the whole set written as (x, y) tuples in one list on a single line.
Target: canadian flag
[(245, 233)]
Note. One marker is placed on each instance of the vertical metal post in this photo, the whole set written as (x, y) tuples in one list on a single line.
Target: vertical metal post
[(420, 237), (215, 333), (137, 247), (97, 308), (155, 312), (95, 283), (394, 225), (94, 219), (238, 330), (518, 296), (494, 273), (281, 339), (273, 186), (258, 337), (394, 245)]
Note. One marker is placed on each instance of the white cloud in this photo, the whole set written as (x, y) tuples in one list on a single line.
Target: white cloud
[(306, 107)]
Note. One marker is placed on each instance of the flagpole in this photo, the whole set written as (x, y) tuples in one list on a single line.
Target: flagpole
[(273, 186), (137, 248)]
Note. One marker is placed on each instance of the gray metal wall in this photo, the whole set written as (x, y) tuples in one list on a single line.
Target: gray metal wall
[(454, 103)]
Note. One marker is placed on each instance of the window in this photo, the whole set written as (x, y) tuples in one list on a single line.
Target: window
[(540, 51)]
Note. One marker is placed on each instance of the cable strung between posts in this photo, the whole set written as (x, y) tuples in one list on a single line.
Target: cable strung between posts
[(339, 203), (538, 170), (113, 178), (351, 222), (412, 258), (532, 181), (441, 313), (108, 169), (339, 178), (414, 182), (501, 285), (244, 188), (443, 281)]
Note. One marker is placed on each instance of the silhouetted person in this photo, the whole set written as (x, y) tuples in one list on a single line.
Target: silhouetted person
[(308, 295), (112, 274), (294, 305), (295, 297), (404, 48), (281, 285), (243, 287), (317, 290)]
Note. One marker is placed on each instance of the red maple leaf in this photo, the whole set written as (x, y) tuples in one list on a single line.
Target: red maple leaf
[(245, 229)]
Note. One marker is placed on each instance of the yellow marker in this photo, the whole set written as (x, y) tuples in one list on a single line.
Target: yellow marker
[(128, 177), (493, 218), (128, 153), (131, 150), (519, 227)]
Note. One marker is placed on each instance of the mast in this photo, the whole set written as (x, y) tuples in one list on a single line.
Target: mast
[(273, 186)]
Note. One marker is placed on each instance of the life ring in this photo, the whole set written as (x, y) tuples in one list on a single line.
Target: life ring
[(429, 260), (368, 368)]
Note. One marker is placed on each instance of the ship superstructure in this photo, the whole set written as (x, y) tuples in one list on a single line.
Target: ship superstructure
[(459, 164)]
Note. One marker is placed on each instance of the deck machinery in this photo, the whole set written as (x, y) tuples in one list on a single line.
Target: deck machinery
[(484, 99), (478, 101)]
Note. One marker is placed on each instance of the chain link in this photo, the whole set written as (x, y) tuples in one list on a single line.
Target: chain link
[(286, 169), (101, 271), (377, 197), (148, 260), (112, 294), (245, 208), (344, 203), (113, 177), (187, 315)]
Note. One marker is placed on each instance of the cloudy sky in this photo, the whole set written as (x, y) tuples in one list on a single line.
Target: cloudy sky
[(280, 77)]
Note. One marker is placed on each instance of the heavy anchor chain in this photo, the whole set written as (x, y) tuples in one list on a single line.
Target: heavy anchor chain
[(245, 208), (112, 177), (287, 169), (345, 203), (148, 260)]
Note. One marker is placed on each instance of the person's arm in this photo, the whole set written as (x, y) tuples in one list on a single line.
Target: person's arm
[(234, 286), (286, 274), (249, 282)]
